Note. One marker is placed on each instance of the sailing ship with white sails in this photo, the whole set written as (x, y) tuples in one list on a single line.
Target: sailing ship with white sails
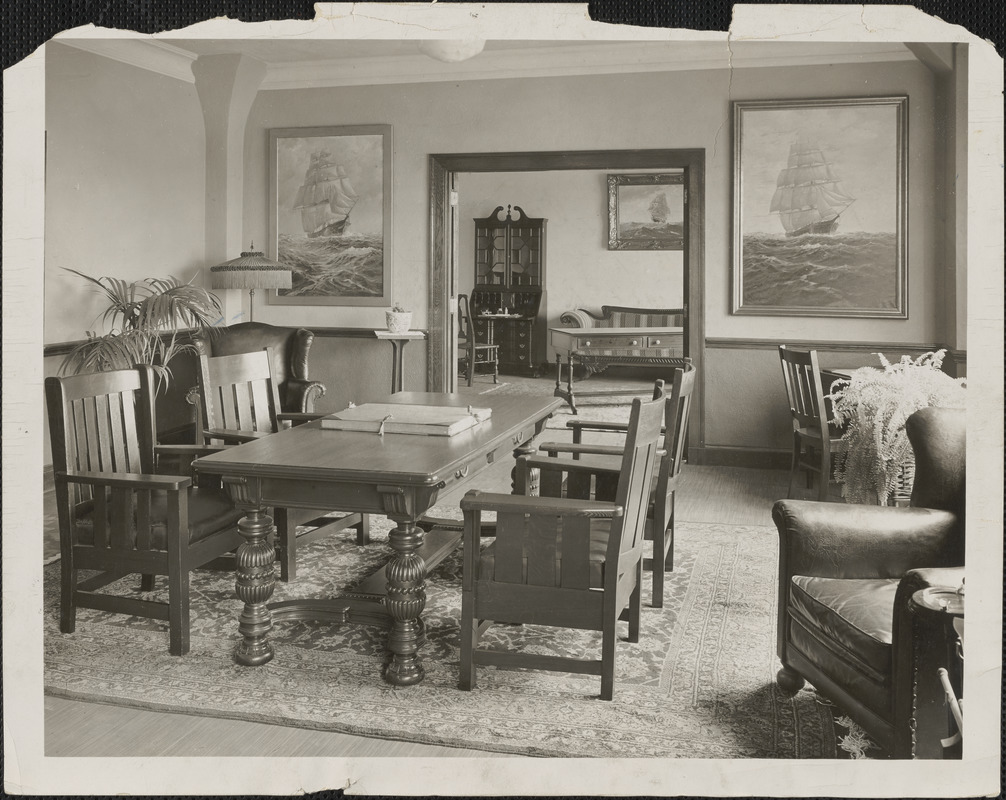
[(808, 197), (326, 198)]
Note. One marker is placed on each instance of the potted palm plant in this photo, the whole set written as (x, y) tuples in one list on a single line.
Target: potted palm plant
[(146, 317), (873, 405)]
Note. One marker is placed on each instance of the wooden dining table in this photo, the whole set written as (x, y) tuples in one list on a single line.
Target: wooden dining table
[(398, 475)]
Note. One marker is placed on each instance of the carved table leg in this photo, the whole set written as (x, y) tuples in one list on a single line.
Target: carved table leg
[(520, 482), (254, 586), (406, 598)]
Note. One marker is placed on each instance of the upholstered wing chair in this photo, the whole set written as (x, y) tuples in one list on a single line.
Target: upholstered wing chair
[(848, 572)]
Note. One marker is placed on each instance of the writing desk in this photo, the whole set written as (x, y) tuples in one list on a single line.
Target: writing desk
[(596, 348), (399, 475)]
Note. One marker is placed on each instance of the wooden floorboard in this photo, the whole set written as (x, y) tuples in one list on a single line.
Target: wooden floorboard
[(75, 728), (730, 495)]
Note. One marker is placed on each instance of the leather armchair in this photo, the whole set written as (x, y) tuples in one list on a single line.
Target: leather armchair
[(290, 347), (847, 573)]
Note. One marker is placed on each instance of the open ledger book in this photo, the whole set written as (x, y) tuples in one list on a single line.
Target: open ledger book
[(403, 418)]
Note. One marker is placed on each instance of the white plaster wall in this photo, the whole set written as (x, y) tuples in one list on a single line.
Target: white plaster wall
[(125, 182), (656, 110)]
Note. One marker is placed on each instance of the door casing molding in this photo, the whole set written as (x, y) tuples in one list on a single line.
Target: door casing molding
[(443, 242)]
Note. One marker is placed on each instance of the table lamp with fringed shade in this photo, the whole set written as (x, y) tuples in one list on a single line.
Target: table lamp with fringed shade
[(251, 271)]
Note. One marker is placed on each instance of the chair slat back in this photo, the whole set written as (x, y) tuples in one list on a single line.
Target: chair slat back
[(101, 422), (804, 387), (542, 551), (239, 392), (638, 463), (464, 318), (676, 413)]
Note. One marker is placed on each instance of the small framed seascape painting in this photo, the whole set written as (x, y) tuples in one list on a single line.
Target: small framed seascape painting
[(819, 207), (330, 213), (646, 212)]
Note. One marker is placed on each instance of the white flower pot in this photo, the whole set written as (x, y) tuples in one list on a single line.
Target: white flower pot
[(398, 321)]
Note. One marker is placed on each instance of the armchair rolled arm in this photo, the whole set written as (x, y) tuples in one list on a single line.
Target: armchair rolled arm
[(831, 540), (476, 500), (578, 318), (127, 480), (303, 394)]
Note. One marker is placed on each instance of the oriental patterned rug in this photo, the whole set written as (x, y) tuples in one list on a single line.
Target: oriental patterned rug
[(699, 684)]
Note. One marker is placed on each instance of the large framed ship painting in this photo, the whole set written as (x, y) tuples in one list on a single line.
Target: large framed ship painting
[(820, 207), (330, 213)]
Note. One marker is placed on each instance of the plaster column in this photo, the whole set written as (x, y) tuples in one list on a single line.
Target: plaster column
[(227, 86)]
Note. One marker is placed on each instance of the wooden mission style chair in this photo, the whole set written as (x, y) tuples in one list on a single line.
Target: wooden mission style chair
[(290, 349), (475, 352), (815, 438), (116, 514), (562, 561), (660, 513), (240, 403)]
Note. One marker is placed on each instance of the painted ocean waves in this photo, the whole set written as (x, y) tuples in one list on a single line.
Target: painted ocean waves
[(351, 265), (842, 270)]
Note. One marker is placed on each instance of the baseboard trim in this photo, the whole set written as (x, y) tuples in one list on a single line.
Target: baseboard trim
[(748, 457)]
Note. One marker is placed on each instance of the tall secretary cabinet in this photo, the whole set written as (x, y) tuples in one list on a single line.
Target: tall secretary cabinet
[(508, 297)]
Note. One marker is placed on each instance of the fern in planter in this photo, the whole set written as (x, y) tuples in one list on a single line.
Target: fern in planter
[(145, 317), (873, 406)]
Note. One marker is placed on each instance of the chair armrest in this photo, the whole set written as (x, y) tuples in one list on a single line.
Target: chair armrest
[(302, 394), (590, 464), (476, 500), (553, 448), (832, 540), (194, 450), (234, 437), (577, 425), (299, 418), (128, 480)]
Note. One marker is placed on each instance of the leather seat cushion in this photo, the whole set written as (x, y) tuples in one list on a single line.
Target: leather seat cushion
[(599, 530), (856, 615), (210, 511)]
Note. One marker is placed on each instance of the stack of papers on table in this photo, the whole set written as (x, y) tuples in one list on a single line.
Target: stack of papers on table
[(404, 418)]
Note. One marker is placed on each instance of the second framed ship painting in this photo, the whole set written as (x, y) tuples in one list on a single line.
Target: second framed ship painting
[(330, 213), (820, 191)]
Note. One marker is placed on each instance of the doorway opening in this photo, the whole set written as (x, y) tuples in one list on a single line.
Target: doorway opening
[(446, 225)]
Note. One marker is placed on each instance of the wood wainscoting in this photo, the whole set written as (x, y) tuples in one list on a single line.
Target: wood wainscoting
[(747, 421)]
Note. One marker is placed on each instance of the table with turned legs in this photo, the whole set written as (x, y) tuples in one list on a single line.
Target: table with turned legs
[(399, 475)]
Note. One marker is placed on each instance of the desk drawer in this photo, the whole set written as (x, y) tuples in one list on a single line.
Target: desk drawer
[(607, 342), (665, 340)]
